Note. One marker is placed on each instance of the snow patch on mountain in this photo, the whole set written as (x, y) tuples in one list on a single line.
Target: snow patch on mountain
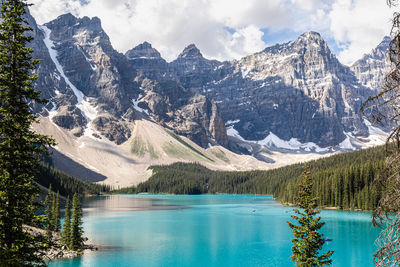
[(133, 58), (136, 105), (374, 130), (88, 111), (346, 144), (230, 122), (230, 131), (273, 141)]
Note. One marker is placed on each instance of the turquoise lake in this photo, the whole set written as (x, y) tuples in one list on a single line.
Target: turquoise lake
[(210, 230)]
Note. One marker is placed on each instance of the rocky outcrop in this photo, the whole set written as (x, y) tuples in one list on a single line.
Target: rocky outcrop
[(69, 117), (58, 250), (114, 130), (188, 114)]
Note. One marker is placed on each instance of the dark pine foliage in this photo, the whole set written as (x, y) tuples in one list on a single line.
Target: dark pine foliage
[(307, 241), (76, 238), (20, 147), (66, 230), (342, 180), (65, 184)]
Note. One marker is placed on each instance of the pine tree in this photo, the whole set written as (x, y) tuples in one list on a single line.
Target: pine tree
[(20, 147), (76, 225), (66, 231), (307, 240), (56, 213), (49, 213)]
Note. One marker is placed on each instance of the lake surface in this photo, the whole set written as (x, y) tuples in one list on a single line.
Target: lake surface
[(210, 230)]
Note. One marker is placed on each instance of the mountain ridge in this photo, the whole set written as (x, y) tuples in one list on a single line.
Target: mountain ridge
[(289, 98)]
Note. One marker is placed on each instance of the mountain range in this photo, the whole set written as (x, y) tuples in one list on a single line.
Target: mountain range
[(114, 114)]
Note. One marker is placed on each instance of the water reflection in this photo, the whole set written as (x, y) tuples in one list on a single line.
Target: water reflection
[(95, 205)]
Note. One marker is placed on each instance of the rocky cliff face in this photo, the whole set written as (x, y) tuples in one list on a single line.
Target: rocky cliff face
[(96, 91), (148, 62), (88, 79), (188, 114), (293, 97), (295, 90), (91, 64), (330, 96), (192, 69), (372, 68)]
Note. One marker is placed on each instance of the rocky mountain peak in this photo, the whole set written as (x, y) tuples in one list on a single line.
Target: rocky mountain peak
[(144, 50), (91, 23), (384, 45), (378, 53), (308, 41), (69, 21), (191, 51), (311, 41), (84, 33), (311, 35), (372, 67), (66, 19)]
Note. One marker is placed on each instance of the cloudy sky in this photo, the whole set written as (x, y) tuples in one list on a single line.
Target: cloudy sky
[(230, 29)]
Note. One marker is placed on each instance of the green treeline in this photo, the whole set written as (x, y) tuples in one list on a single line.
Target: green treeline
[(65, 184), (72, 232), (342, 180), (346, 188)]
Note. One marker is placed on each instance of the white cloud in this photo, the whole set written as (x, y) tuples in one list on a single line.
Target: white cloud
[(245, 41), (260, 13), (226, 29), (358, 26), (45, 10), (222, 29)]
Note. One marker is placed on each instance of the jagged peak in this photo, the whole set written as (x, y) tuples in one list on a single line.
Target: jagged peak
[(306, 39), (67, 18), (312, 34), (378, 53), (311, 37), (191, 51), (70, 20), (94, 20), (145, 44), (384, 45), (67, 15), (143, 50)]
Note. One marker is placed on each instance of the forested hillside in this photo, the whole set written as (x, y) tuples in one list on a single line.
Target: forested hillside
[(342, 180), (65, 184)]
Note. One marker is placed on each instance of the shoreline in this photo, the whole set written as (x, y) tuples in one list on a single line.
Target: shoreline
[(283, 204), (328, 208), (60, 251)]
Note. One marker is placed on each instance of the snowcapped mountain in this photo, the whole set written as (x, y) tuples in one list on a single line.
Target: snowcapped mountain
[(289, 98)]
